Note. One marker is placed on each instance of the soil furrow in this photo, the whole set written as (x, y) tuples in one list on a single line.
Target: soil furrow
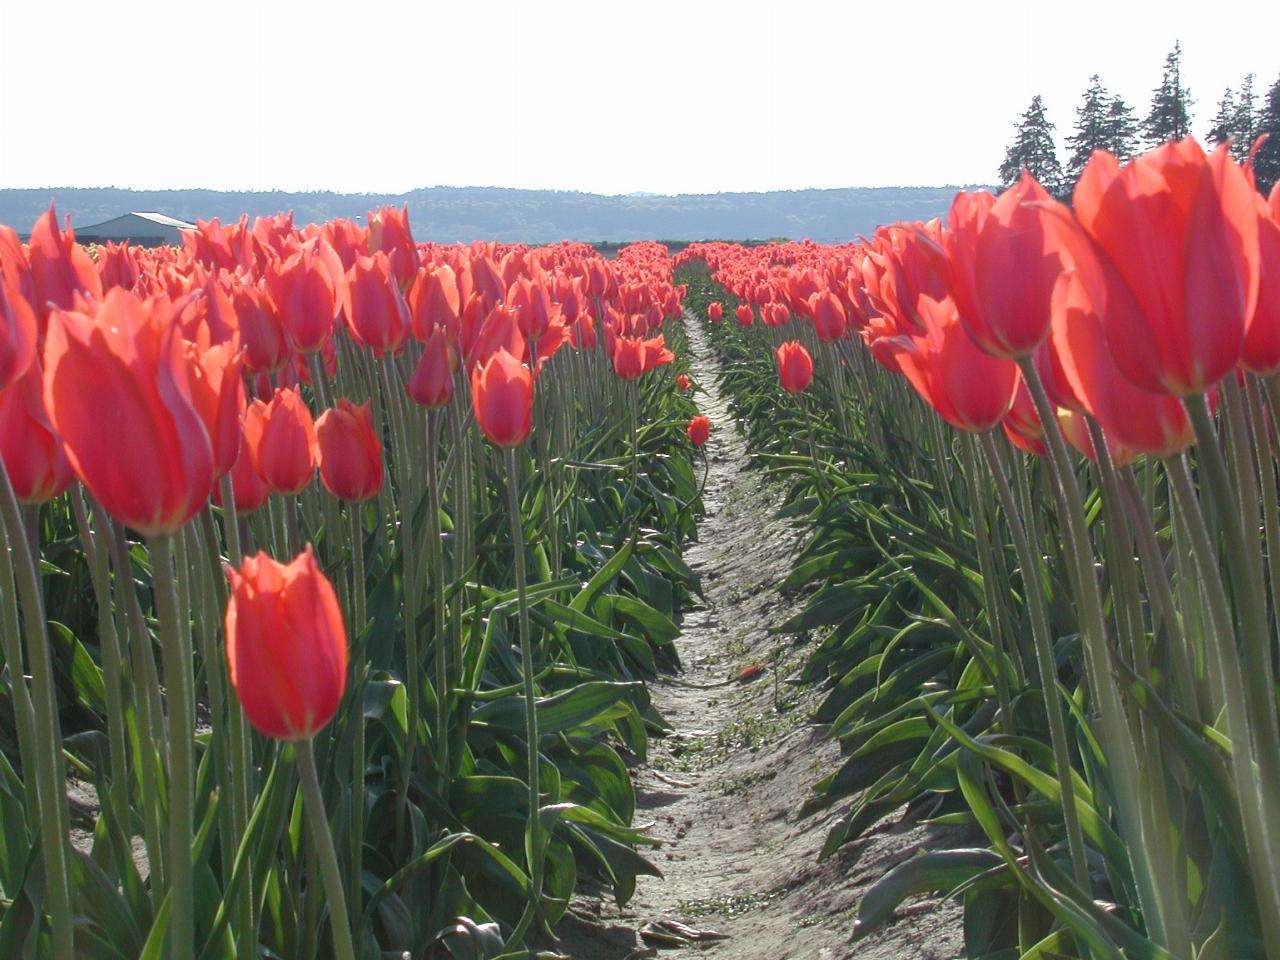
[(724, 790)]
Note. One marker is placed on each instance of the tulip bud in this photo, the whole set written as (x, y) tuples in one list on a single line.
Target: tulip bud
[(286, 645), (432, 382), (349, 451), (795, 366), (502, 397), (682, 382), (285, 452), (715, 312), (699, 430)]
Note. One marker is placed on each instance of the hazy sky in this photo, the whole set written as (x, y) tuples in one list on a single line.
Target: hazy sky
[(670, 96)]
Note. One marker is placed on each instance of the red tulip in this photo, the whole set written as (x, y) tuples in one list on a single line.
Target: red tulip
[(435, 301), (715, 312), (1261, 354), (432, 382), (302, 291), (699, 430), (502, 397), (1177, 236), (1004, 259), (217, 390), (60, 267), (682, 382), (828, 316), (17, 332), (349, 451), (795, 366), (249, 490), (285, 451), (260, 331), (286, 645), (1138, 420), (970, 389), (117, 392), (744, 315), (31, 450), (376, 312)]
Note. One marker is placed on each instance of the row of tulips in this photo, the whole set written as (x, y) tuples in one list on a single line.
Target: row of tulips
[(1066, 642), (396, 697)]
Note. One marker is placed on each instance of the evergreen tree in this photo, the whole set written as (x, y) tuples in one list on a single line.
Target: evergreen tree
[(1224, 121), (1033, 149), (1122, 130), (1236, 119), (1093, 119), (1246, 119), (1266, 162), (1170, 116)]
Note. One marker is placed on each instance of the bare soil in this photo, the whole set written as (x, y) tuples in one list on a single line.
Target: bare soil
[(723, 790)]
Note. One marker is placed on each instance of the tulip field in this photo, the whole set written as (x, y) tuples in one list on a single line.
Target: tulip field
[(341, 570)]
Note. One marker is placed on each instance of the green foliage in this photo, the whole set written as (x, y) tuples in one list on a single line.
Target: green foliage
[(1033, 150), (1170, 115), (1266, 164), (1103, 122)]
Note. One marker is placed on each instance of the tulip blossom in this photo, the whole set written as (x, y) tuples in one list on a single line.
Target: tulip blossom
[(249, 490), (1261, 353), (699, 430), (744, 315), (286, 449), (350, 453), (432, 382), (375, 310), (502, 398), (31, 450), (1138, 420), (286, 645), (153, 469), (968, 388), (828, 316), (17, 332), (715, 311), (1004, 260), (217, 389), (795, 366), (1176, 234), (302, 291), (682, 382)]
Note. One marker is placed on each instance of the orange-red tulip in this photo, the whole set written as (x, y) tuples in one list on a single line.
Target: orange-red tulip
[(1004, 260), (266, 348), (502, 397), (17, 332), (970, 389), (350, 453), (699, 430), (1129, 416), (31, 450), (376, 312), (217, 389), (715, 312), (828, 316), (1261, 353), (153, 468), (744, 315), (1177, 235), (683, 382), (303, 293), (286, 645), (432, 382), (795, 366), (285, 451), (250, 491)]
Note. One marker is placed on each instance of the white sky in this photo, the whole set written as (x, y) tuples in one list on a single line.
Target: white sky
[(669, 96)]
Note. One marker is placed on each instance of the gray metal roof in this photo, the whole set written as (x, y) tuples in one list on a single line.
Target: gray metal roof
[(159, 219)]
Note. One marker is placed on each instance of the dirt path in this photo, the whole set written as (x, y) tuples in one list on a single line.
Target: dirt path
[(723, 791)]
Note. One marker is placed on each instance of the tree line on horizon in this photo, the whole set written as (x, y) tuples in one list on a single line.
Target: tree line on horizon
[(1104, 121)]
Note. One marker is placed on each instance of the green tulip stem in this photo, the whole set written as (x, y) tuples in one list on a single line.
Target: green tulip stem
[(322, 845)]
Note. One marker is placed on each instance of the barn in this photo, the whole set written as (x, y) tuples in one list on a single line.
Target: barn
[(142, 228)]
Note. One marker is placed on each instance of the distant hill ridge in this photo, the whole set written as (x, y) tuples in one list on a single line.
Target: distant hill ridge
[(450, 214)]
